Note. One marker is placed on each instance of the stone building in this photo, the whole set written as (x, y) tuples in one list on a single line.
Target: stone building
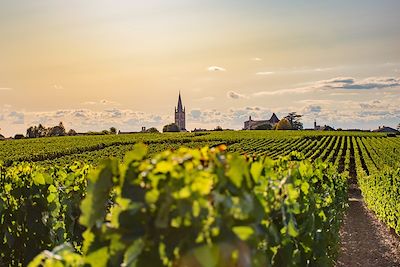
[(322, 128), (385, 129), (252, 124)]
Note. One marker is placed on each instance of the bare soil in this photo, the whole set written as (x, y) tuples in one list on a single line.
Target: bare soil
[(365, 241)]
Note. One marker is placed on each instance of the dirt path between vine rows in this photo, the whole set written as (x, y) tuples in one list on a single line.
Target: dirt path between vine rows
[(365, 241)]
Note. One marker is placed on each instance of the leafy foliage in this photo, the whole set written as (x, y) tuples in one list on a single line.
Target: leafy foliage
[(381, 192), (41, 131), (39, 209), (294, 119), (171, 128), (152, 130), (283, 124), (207, 208)]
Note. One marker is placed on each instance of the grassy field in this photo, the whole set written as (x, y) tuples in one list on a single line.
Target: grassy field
[(368, 151), (89, 200)]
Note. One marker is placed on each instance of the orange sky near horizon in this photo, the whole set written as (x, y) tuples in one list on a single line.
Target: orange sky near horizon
[(97, 64)]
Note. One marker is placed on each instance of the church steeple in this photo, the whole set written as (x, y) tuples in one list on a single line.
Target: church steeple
[(180, 106), (180, 119)]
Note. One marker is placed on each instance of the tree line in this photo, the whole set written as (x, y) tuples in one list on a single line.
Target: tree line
[(59, 130)]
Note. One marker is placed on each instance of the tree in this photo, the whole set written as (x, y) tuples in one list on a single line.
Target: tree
[(218, 128), (37, 131), (152, 130), (265, 126), (398, 127), (19, 136), (31, 132), (71, 132), (172, 127), (58, 130), (283, 124), (41, 131), (113, 130), (294, 120)]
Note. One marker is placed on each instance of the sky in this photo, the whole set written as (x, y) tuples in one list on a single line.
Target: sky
[(97, 64)]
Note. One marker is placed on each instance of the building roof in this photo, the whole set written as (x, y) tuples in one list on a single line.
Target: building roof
[(327, 128), (274, 118), (385, 129)]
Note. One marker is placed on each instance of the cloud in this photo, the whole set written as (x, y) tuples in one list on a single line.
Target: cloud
[(232, 118), (383, 110), (206, 99), (195, 114), (312, 109), (352, 113), (82, 120), (215, 68), (5, 89), (344, 83), (89, 103), (362, 84), (114, 113), (294, 71), (265, 73), (58, 87), (234, 95), (300, 90), (256, 59), (101, 102), (16, 117)]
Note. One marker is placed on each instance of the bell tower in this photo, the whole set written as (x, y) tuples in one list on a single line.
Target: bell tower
[(180, 119)]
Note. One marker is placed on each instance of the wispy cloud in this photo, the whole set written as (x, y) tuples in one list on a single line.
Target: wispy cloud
[(16, 117), (234, 95), (344, 83), (293, 71), (215, 68), (104, 102), (363, 84), (206, 99), (300, 90), (83, 119), (5, 89), (352, 112), (58, 87), (256, 59), (265, 73)]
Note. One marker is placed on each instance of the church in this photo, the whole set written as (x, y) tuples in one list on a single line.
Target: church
[(180, 119)]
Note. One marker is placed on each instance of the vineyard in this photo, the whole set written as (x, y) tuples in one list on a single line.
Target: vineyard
[(249, 198)]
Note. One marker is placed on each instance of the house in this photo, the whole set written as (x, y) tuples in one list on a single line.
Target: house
[(253, 124), (385, 129), (322, 128)]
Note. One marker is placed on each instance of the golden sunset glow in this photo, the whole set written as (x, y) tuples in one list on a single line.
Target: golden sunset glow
[(122, 63)]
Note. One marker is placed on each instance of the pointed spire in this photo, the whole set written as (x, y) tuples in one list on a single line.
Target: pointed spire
[(180, 107)]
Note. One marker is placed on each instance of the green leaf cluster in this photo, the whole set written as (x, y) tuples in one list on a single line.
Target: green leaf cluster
[(381, 192), (206, 207), (39, 209)]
